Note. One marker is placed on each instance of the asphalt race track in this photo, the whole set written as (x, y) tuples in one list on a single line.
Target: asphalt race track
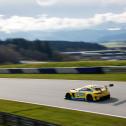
[(51, 92)]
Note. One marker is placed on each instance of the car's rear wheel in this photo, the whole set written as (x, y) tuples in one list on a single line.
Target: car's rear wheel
[(68, 96), (89, 98), (108, 97)]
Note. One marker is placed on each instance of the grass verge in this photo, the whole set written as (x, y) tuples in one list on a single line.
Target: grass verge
[(68, 64), (59, 116), (100, 77)]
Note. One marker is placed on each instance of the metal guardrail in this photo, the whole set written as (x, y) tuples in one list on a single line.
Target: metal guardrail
[(7, 119), (55, 70), (115, 69), (65, 70)]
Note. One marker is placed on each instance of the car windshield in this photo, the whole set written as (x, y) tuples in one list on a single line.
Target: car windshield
[(85, 89)]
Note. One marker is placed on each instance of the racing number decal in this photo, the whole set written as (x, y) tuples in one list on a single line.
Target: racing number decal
[(80, 94)]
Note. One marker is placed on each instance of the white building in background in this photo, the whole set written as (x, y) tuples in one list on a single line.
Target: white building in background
[(99, 55)]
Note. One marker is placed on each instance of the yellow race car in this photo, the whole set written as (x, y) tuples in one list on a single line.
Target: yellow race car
[(89, 93)]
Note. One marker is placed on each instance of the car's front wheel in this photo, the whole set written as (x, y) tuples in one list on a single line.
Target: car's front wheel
[(89, 98), (68, 96)]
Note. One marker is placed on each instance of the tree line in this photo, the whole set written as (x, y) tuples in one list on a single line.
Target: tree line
[(15, 50)]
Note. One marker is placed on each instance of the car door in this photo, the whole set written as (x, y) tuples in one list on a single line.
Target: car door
[(81, 93)]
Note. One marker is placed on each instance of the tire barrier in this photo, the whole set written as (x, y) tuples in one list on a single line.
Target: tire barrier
[(7, 119), (65, 70)]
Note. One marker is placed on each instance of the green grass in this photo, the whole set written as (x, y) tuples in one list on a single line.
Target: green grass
[(100, 77), (59, 116), (68, 64)]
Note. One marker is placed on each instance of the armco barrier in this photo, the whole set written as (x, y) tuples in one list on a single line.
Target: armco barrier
[(84, 70), (90, 70), (115, 69), (65, 70), (7, 119)]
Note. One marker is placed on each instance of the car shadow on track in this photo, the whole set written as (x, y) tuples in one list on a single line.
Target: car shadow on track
[(120, 103), (108, 101)]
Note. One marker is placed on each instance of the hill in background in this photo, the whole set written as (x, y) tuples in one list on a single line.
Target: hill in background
[(115, 44), (15, 50)]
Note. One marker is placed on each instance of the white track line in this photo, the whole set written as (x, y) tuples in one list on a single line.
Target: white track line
[(67, 108)]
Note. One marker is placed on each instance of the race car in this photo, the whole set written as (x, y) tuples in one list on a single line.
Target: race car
[(89, 93)]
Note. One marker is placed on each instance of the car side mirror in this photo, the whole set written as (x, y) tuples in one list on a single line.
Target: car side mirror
[(111, 85)]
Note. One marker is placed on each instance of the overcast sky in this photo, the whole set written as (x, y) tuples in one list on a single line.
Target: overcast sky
[(46, 15)]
